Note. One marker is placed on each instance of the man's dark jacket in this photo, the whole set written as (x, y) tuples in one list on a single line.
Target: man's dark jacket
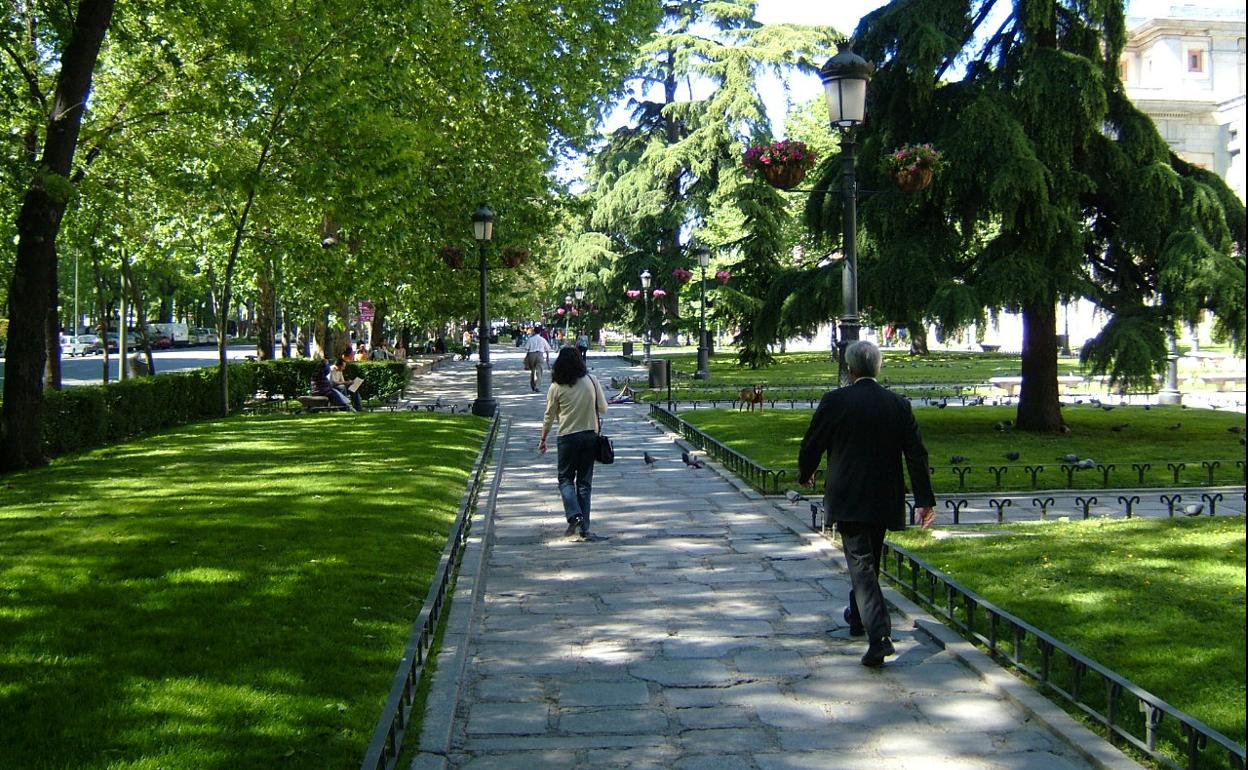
[(865, 431)]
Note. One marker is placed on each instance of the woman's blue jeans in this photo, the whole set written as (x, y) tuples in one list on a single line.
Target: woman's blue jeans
[(576, 472)]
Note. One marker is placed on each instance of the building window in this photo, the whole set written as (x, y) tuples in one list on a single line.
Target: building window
[(1195, 60)]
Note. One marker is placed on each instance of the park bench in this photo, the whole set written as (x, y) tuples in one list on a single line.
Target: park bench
[(1222, 380), (1011, 384), (314, 403)]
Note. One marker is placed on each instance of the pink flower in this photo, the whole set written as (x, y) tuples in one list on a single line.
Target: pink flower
[(633, 293), (659, 293), (562, 310), (722, 276), (682, 274)]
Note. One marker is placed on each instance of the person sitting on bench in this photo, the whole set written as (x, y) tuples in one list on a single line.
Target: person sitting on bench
[(321, 386), (338, 379)]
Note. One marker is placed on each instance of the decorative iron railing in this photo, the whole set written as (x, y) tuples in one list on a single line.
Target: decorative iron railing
[(1128, 713), (763, 479), (387, 742)]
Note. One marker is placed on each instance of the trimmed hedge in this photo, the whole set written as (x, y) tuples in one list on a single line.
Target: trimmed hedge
[(80, 418)]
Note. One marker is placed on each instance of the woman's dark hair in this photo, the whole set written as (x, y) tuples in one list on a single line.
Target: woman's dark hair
[(568, 367)]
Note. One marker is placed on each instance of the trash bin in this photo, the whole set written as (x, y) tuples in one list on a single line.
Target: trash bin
[(628, 349), (658, 372)]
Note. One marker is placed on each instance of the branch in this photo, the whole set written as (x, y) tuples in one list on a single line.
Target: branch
[(31, 78)]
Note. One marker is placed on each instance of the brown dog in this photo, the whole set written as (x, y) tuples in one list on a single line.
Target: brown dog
[(752, 396)]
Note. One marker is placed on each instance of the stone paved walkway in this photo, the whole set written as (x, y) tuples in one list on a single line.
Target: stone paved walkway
[(705, 632)]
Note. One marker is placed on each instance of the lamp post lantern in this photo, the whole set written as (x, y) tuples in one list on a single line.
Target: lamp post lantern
[(483, 232), (703, 373), (845, 78), (645, 293)]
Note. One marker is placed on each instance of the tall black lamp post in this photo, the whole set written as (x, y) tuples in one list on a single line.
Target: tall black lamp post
[(579, 294), (645, 292), (567, 317), (845, 79), (704, 258), (483, 231)]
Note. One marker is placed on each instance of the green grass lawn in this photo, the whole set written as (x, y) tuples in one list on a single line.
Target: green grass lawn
[(1159, 601), (772, 439), (232, 594), (809, 374)]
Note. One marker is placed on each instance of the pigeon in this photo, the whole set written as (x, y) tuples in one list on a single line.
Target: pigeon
[(648, 459), (1176, 426), (957, 460), (794, 496), (1120, 427), (1107, 407), (1012, 456), (1235, 429), (942, 405), (1147, 408), (1069, 458), (692, 462), (1086, 463), (1193, 509)]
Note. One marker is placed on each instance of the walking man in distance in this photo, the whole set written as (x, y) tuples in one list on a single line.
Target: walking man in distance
[(865, 431)]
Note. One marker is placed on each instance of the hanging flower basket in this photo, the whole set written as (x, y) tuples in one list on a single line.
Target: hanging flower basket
[(783, 164), (453, 256), (912, 166), (658, 293), (633, 293), (913, 180), (513, 256), (784, 177), (682, 275), (723, 276)]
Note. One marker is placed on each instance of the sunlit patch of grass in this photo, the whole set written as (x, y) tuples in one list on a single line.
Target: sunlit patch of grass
[(774, 437), (1160, 601), (209, 597)]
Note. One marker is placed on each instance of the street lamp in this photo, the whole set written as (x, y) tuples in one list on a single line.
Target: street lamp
[(483, 232), (645, 290), (579, 293), (704, 258), (567, 317), (845, 78)]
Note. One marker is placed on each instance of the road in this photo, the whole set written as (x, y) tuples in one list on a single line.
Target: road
[(86, 370)]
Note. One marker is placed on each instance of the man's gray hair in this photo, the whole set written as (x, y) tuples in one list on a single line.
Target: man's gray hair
[(863, 359)]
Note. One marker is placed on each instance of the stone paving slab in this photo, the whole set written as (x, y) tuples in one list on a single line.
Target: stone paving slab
[(705, 632)]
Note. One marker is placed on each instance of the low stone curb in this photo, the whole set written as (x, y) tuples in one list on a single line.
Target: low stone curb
[(444, 689)]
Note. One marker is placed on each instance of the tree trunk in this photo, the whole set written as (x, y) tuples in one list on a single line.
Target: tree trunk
[(918, 338), (377, 332), (1039, 409), (52, 330), (266, 321), (38, 224), (127, 280)]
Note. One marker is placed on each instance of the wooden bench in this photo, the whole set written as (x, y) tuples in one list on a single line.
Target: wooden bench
[(1223, 382), (314, 403), (1011, 384)]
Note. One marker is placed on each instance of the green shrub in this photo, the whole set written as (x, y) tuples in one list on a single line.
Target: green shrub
[(90, 416)]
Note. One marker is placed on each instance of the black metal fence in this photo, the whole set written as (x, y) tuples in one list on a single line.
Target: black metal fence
[(1129, 713), (763, 479), (387, 742)]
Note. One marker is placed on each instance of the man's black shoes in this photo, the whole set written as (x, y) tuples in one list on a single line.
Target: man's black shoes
[(574, 524), (877, 651), (855, 629)]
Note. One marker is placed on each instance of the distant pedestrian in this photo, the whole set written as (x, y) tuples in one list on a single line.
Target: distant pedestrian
[(865, 431), (582, 346), (536, 355), (574, 400)]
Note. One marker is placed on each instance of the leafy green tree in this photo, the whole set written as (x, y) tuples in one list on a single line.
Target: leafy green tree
[(1055, 186), (675, 169)]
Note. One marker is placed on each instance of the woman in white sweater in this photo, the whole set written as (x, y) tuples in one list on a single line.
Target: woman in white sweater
[(575, 401)]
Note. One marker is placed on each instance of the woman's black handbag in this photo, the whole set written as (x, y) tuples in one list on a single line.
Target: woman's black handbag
[(606, 450)]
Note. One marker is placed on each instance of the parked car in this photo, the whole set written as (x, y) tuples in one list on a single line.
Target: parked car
[(161, 342), (203, 336), (132, 341), (81, 345)]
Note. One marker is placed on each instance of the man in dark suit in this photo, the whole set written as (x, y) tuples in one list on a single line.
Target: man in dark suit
[(865, 431)]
